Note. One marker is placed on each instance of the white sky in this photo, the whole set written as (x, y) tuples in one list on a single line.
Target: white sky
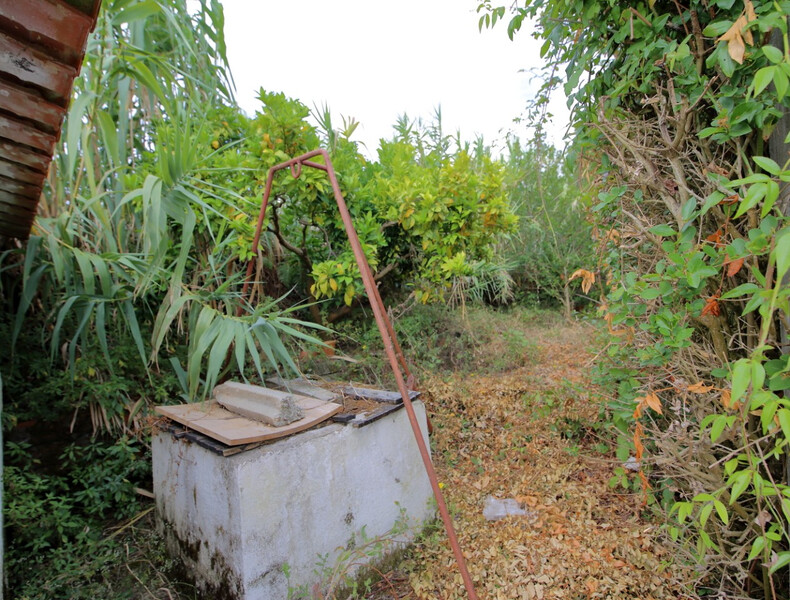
[(374, 60)]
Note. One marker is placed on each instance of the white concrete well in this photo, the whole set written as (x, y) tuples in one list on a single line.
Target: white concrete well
[(238, 522)]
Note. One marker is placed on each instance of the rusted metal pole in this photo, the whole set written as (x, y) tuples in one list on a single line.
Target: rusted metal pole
[(295, 166), (257, 237), (391, 346)]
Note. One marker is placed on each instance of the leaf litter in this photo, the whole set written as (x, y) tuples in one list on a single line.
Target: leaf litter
[(528, 434)]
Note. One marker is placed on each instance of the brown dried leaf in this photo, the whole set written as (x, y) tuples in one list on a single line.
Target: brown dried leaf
[(734, 266), (653, 402), (520, 452), (591, 586), (588, 279), (750, 14), (715, 237), (700, 388), (729, 200), (639, 448), (713, 167), (735, 42), (711, 307)]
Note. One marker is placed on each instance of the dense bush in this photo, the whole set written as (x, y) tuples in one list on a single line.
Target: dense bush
[(679, 108)]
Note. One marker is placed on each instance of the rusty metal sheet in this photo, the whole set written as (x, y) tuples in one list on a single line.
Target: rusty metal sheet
[(19, 172), (19, 131), (15, 219), (29, 105), (42, 43), (33, 67), (15, 204), (20, 154), (51, 23), (22, 189), (11, 230)]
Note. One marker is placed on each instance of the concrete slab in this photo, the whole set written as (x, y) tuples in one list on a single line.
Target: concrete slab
[(272, 407), (239, 522)]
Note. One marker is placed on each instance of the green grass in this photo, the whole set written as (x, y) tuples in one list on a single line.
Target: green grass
[(438, 340)]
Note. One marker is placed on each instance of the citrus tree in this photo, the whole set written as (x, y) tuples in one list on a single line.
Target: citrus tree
[(428, 218)]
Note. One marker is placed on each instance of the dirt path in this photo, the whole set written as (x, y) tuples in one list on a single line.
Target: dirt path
[(528, 434)]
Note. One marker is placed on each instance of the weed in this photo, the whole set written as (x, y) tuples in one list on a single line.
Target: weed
[(357, 566), (55, 519)]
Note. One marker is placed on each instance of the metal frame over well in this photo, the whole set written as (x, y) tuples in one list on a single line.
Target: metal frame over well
[(391, 346)]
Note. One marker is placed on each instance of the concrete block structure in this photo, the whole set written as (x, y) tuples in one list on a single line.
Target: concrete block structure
[(239, 522)]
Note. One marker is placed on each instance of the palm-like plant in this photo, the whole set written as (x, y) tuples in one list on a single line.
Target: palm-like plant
[(133, 240)]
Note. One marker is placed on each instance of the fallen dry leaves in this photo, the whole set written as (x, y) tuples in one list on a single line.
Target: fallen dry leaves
[(506, 436)]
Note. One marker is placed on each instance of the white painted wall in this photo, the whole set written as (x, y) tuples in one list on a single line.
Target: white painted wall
[(236, 521)]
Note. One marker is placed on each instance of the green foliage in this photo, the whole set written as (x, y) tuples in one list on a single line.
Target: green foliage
[(438, 339), (126, 292), (554, 238), (48, 517), (427, 218), (678, 109)]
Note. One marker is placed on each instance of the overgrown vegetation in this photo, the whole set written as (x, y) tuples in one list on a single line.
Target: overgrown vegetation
[(680, 109), (554, 237), (126, 294)]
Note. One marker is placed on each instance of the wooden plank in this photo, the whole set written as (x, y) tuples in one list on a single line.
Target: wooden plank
[(214, 421), (20, 188), (19, 172), (24, 103), (54, 24), (36, 68), (303, 386), (30, 158), (24, 133)]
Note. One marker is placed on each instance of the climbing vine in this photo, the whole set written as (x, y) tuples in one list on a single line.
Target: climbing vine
[(679, 109)]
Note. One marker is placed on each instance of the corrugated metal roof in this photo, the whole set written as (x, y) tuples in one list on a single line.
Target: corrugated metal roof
[(42, 43)]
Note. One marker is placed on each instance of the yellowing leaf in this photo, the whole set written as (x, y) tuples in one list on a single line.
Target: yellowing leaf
[(349, 295), (333, 284)]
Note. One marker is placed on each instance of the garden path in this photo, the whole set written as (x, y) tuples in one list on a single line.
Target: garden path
[(531, 434)]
